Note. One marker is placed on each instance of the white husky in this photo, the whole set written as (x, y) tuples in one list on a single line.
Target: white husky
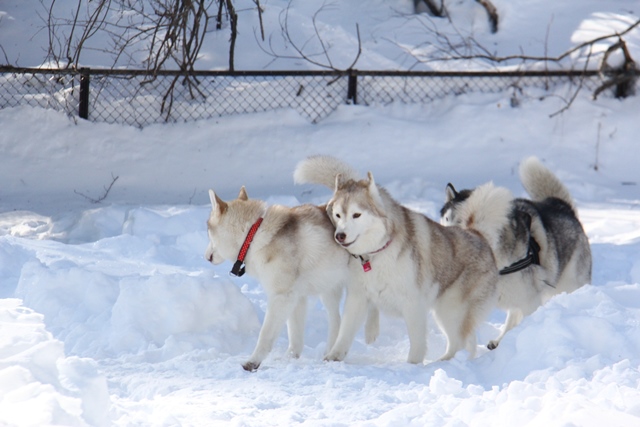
[(292, 253), (408, 263), (539, 245)]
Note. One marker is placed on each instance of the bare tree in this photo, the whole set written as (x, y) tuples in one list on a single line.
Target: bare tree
[(314, 49), (178, 34), (68, 35), (159, 34), (170, 31)]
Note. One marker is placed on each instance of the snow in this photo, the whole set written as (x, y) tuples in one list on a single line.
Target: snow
[(110, 315)]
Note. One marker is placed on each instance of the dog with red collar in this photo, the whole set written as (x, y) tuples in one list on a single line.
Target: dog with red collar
[(291, 252)]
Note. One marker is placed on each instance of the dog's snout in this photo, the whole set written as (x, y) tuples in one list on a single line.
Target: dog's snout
[(340, 237)]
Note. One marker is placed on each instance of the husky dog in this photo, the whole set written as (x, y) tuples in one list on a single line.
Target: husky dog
[(408, 264), (539, 244), (292, 253)]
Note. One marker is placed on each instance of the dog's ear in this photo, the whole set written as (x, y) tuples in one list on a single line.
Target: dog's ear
[(521, 221), (339, 181), (217, 204), (243, 194), (373, 190), (450, 192), (526, 218), (329, 209)]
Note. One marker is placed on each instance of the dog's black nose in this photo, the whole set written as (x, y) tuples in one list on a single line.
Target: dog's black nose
[(340, 237)]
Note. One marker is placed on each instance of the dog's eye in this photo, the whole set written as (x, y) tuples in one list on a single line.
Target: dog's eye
[(356, 215), (337, 215)]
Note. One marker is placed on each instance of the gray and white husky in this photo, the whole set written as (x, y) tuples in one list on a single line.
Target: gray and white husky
[(406, 264), (291, 252), (539, 244)]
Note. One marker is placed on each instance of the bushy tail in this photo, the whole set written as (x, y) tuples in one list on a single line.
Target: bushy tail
[(322, 170), (541, 183), (486, 211)]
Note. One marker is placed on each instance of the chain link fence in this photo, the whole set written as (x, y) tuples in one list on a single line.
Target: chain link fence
[(141, 98)]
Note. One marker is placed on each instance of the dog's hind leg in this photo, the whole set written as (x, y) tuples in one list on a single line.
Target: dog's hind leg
[(455, 319), (295, 327), (514, 317), (279, 307)]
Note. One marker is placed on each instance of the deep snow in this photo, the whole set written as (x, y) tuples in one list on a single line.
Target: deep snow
[(109, 314)]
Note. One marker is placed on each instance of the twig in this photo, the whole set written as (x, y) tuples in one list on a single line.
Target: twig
[(301, 49), (104, 195), (260, 11)]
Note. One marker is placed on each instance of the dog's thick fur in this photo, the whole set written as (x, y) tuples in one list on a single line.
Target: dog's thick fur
[(416, 264), (293, 255), (550, 217)]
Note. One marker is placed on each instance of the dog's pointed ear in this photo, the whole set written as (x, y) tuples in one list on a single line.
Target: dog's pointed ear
[(329, 209), (450, 192), (339, 181), (526, 218), (243, 194), (213, 197), (373, 190), (217, 204)]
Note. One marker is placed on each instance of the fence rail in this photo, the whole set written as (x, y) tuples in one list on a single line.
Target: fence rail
[(140, 98)]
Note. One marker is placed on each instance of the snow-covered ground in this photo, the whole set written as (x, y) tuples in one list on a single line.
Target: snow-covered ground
[(109, 314)]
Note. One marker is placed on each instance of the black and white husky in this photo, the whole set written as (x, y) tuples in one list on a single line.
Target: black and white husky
[(539, 244)]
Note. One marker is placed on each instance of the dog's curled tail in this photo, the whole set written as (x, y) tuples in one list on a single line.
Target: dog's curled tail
[(322, 170), (541, 183)]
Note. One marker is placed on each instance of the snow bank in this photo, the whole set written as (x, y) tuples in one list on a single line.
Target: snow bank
[(145, 289), (38, 384)]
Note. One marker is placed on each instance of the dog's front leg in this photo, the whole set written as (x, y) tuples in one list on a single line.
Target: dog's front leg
[(295, 327), (279, 307), (331, 301), (372, 326), (355, 310), (415, 316)]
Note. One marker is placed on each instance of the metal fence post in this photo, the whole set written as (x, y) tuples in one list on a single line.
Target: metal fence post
[(83, 107), (352, 87)]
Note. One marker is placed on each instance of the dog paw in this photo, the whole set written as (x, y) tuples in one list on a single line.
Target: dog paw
[(334, 357), (371, 335), (493, 345), (294, 354), (251, 366), (372, 327)]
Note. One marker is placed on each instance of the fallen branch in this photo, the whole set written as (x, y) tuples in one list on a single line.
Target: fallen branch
[(623, 77)]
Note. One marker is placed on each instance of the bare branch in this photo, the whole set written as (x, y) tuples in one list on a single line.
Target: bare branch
[(623, 77), (302, 50), (257, 2), (492, 12), (450, 51), (107, 189)]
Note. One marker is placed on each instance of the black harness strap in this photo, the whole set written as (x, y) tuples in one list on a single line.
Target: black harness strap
[(533, 257)]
